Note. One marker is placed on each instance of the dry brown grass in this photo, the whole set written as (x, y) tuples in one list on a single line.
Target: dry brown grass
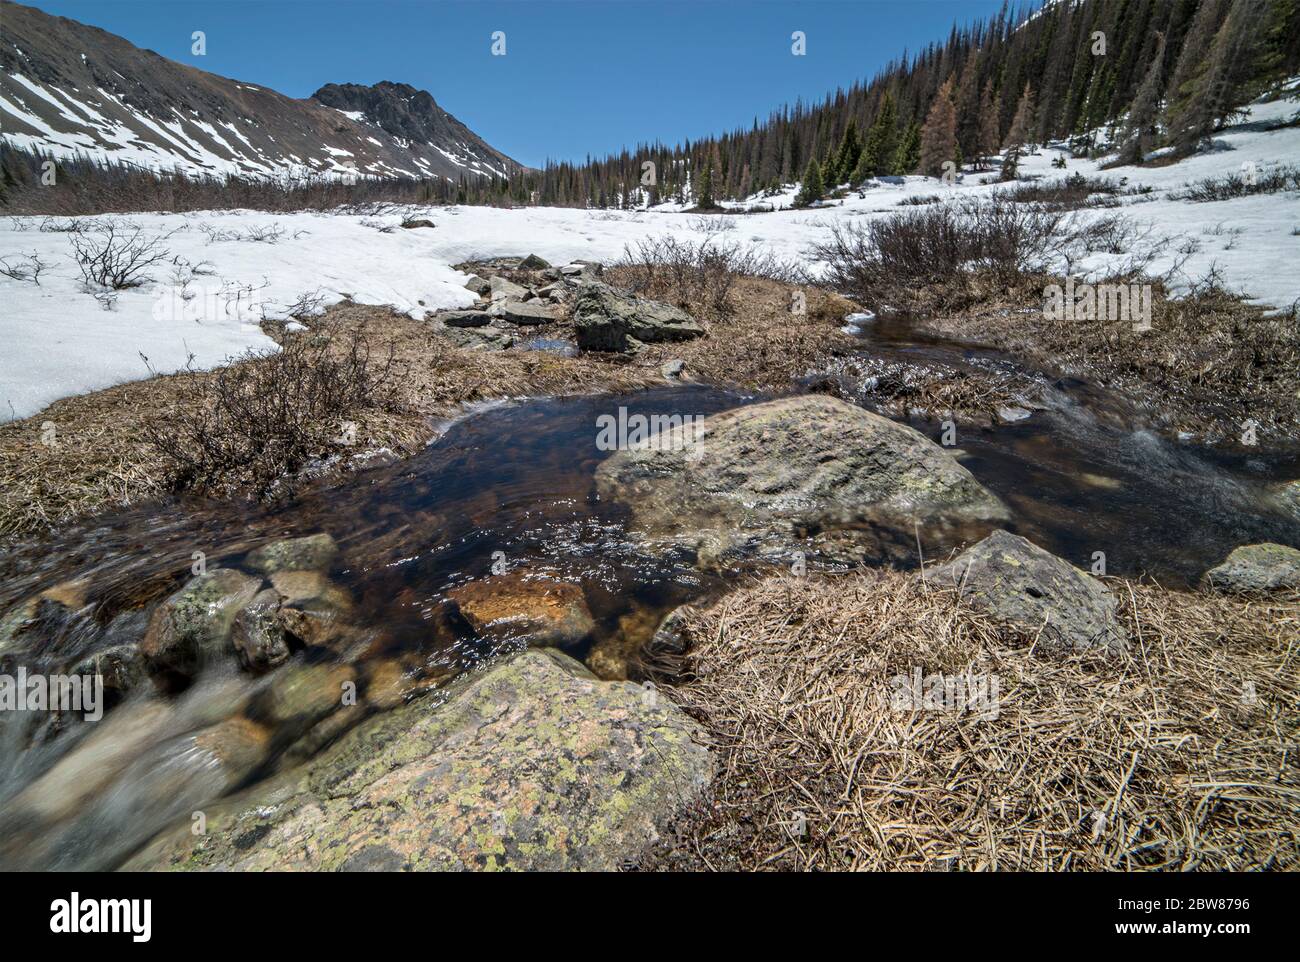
[(1181, 756), (1209, 361)]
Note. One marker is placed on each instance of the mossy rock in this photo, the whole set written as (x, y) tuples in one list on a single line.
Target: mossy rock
[(532, 764)]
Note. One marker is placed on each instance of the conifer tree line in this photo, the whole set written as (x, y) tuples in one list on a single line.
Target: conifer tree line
[(1161, 72), (1149, 73)]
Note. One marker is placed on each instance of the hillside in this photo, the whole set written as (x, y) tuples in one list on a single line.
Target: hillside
[(68, 89)]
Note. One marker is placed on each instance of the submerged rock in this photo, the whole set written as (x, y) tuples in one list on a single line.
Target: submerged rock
[(194, 625), (606, 319), (531, 765), (1022, 585), (538, 611), (770, 476), (259, 637), (1257, 567), (313, 553)]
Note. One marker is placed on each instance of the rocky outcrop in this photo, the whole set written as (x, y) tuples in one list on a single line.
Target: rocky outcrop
[(532, 765), (1257, 567), (783, 474), (538, 611), (606, 319), (1022, 585)]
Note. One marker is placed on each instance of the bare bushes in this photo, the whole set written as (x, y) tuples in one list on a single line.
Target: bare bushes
[(114, 255), (697, 277), (1273, 181), (246, 426), (947, 255)]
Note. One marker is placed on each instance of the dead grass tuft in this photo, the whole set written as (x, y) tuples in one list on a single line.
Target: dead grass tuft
[(1179, 757)]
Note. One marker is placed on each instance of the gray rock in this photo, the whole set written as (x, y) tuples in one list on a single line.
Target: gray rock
[(469, 318), (1022, 585), (1257, 567), (121, 667), (606, 319), (478, 338), (533, 263), (531, 765), (530, 312), (504, 290), (258, 635), (761, 478), (673, 369), (313, 553), (194, 625), (478, 285)]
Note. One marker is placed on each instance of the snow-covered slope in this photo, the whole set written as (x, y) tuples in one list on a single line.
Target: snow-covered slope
[(70, 89), (219, 278)]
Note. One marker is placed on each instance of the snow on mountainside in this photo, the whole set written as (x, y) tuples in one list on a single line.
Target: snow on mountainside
[(67, 89)]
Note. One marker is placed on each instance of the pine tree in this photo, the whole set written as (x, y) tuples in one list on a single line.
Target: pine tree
[(990, 139), (882, 141), (1140, 131), (1018, 135), (846, 156), (704, 188), (813, 188), (939, 136), (908, 155)]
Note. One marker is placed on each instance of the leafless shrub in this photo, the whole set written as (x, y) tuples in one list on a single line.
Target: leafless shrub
[(1272, 181), (711, 225), (1070, 193), (248, 425), (379, 225), (264, 234), (698, 277), (919, 201), (115, 255), (65, 225), (23, 267), (937, 251)]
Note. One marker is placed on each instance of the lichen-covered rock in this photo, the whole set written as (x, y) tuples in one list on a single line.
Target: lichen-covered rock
[(534, 610), (506, 290), (528, 312), (313, 553), (259, 636), (605, 319), (1035, 591), (194, 625), (1257, 567), (768, 476), (531, 765)]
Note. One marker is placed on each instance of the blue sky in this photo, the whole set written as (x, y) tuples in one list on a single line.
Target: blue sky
[(579, 77)]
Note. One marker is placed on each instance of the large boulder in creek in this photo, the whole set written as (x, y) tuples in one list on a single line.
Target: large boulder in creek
[(1021, 585), (531, 765), (194, 625), (533, 610), (1257, 567), (606, 319), (809, 472)]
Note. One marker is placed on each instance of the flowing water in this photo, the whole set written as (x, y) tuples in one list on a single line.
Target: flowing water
[(511, 486)]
